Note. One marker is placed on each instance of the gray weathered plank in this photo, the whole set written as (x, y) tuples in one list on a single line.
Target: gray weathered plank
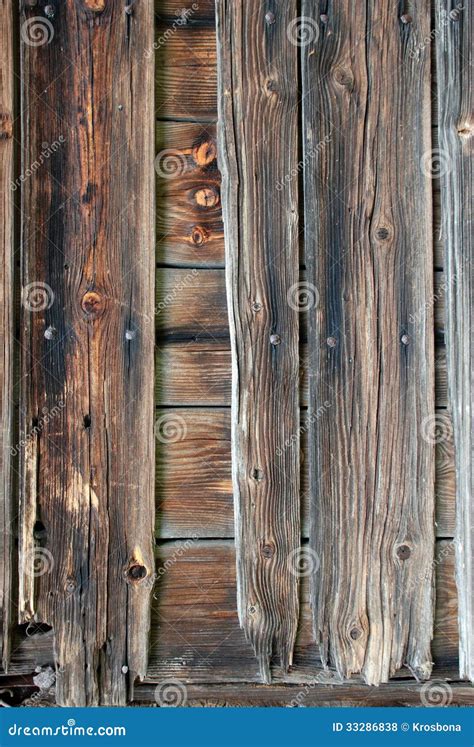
[(257, 144), (87, 492), (6, 322), (453, 163), (368, 231)]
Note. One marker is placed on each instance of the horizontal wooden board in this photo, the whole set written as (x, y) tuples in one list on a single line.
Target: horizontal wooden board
[(184, 96), (189, 224), (196, 636), (190, 301), (172, 9), (197, 371), (194, 485), (402, 693)]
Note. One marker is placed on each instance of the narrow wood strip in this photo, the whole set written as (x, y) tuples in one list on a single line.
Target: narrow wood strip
[(87, 493), (6, 323), (368, 228), (196, 635), (454, 164), (196, 371), (396, 694), (258, 102), (194, 475)]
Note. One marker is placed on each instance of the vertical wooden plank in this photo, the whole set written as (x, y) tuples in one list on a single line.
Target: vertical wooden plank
[(454, 46), (258, 109), (87, 508), (368, 234), (6, 317)]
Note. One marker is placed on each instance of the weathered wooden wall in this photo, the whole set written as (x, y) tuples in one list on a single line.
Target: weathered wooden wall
[(195, 632)]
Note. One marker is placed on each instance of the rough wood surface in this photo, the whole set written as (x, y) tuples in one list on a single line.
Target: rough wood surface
[(87, 493), (194, 477), (454, 44), (257, 103), (6, 323), (368, 229), (395, 694), (196, 635), (197, 371)]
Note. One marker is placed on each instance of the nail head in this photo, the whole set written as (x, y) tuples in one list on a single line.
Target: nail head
[(275, 339)]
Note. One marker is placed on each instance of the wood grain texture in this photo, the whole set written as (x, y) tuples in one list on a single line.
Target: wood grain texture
[(194, 474), (6, 323), (368, 229), (196, 635), (454, 163), (395, 694), (172, 9), (189, 216), (197, 371), (257, 103), (87, 493)]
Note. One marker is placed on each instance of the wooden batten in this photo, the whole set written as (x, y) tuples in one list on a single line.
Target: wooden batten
[(453, 163), (257, 144), (87, 487)]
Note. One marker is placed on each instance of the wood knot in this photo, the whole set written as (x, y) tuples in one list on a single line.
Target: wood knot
[(205, 153), (268, 551), (199, 235), (96, 6), (258, 474), (382, 233), (343, 77), (93, 304), (136, 572), (6, 126), (403, 552), (355, 633), (256, 306), (71, 584), (207, 197)]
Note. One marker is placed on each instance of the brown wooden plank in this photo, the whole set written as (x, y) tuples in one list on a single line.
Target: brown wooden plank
[(6, 322), (172, 9), (258, 101), (368, 229), (189, 216), (194, 474), (196, 635), (87, 491), (454, 44), (395, 694), (198, 373), (181, 96)]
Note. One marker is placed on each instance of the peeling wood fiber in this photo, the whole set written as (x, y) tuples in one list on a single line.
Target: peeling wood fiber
[(454, 47), (369, 258), (87, 474), (257, 134)]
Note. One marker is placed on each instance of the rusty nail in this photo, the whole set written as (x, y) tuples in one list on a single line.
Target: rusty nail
[(120, 107), (124, 669), (275, 339), (324, 18), (129, 10), (406, 18), (50, 333), (403, 552), (130, 334), (270, 17), (49, 11), (332, 342), (405, 339)]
